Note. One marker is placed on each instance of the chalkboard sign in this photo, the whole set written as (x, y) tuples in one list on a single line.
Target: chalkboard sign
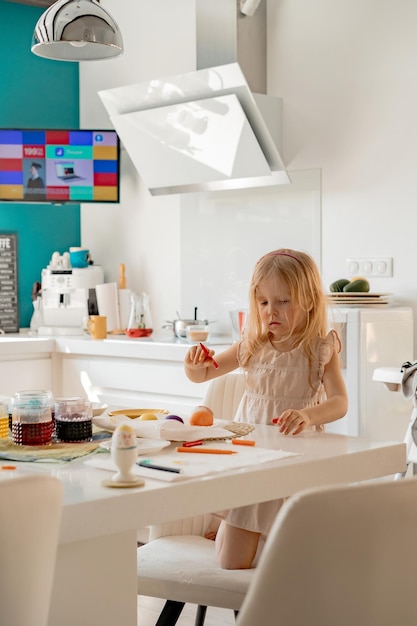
[(9, 314)]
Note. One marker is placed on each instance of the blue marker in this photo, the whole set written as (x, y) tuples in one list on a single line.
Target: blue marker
[(163, 468)]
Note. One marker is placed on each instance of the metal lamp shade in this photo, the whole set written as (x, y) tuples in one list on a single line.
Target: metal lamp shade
[(76, 30)]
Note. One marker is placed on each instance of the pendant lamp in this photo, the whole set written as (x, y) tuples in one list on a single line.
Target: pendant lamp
[(77, 30)]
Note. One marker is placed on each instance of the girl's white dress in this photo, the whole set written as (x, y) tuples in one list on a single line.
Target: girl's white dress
[(276, 381)]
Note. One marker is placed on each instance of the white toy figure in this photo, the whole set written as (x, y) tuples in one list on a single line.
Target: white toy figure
[(124, 453)]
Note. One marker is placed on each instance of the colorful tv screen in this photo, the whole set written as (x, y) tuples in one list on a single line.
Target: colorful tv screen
[(59, 166)]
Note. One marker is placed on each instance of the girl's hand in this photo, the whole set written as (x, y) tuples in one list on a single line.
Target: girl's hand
[(292, 422), (196, 359)]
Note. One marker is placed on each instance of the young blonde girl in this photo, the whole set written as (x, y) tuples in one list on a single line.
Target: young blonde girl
[(293, 376)]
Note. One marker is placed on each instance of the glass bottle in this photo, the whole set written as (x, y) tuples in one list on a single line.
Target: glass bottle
[(140, 323)]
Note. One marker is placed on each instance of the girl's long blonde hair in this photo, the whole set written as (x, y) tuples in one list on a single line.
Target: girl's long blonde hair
[(301, 275)]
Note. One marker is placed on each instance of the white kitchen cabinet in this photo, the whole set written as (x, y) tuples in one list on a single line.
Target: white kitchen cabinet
[(24, 374), (122, 371), (372, 337), (129, 373), (25, 365)]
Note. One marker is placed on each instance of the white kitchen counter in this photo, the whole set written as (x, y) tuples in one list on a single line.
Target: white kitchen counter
[(22, 343), (161, 347), (125, 372), (123, 346)]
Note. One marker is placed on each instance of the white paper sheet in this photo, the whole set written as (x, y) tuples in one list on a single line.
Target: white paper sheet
[(194, 464)]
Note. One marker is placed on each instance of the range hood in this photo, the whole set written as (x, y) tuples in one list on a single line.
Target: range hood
[(206, 130)]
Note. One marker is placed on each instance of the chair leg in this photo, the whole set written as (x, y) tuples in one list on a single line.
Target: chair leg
[(170, 613), (201, 615)]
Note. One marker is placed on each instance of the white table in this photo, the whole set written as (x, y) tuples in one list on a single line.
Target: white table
[(95, 582)]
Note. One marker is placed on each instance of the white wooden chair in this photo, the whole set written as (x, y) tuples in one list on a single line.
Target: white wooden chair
[(30, 515), (178, 563), (339, 555)]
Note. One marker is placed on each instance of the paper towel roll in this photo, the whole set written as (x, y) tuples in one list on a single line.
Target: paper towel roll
[(108, 304), (124, 307)]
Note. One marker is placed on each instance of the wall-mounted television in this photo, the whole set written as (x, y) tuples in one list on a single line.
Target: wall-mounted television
[(59, 166)]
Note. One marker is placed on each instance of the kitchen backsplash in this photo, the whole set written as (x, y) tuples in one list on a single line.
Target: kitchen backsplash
[(224, 233)]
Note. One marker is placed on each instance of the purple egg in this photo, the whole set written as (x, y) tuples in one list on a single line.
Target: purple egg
[(175, 417)]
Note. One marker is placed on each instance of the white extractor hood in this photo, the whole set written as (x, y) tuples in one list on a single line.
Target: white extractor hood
[(205, 130)]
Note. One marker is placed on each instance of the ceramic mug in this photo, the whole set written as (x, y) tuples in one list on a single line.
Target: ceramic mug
[(97, 326), (79, 257)]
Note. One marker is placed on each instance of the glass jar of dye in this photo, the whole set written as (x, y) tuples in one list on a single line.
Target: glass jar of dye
[(4, 418), (73, 419), (32, 419)]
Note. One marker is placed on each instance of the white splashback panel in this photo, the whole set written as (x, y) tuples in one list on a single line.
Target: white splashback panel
[(223, 234)]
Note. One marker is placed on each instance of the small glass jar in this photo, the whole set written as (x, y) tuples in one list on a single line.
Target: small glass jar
[(32, 422), (4, 418), (73, 419), (197, 333)]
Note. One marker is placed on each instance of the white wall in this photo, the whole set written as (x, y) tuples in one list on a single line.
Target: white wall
[(345, 70), (142, 232)]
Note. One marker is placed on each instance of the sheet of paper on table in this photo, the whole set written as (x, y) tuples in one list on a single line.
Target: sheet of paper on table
[(192, 465)]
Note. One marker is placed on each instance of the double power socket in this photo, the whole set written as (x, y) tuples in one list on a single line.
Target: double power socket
[(381, 266)]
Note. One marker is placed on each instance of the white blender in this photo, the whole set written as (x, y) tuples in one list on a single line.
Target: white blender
[(65, 295)]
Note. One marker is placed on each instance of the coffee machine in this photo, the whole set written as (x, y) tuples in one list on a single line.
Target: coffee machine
[(65, 295)]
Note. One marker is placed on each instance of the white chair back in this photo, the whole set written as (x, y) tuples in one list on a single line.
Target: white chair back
[(339, 555), (30, 515), (224, 394)]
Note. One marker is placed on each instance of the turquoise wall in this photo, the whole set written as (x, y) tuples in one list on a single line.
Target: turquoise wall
[(35, 93)]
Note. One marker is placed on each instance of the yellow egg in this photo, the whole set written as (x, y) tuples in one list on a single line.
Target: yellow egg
[(148, 416)]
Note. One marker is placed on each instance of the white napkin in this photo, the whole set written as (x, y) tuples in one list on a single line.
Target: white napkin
[(168, 430)]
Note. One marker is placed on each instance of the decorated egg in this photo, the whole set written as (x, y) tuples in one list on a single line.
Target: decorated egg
[(124, 437), (201, 407), (175, 417), (148, 416), (203, 416)]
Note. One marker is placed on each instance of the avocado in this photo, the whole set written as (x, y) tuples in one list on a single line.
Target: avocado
[(359, 285), (338, 285)]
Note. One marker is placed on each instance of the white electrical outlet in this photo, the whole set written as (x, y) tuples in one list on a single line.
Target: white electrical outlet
[(374, 267)]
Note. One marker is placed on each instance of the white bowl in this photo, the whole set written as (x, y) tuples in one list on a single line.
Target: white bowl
[(98, 409)]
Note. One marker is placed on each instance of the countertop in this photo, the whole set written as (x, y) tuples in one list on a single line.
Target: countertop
[(155, 347)]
